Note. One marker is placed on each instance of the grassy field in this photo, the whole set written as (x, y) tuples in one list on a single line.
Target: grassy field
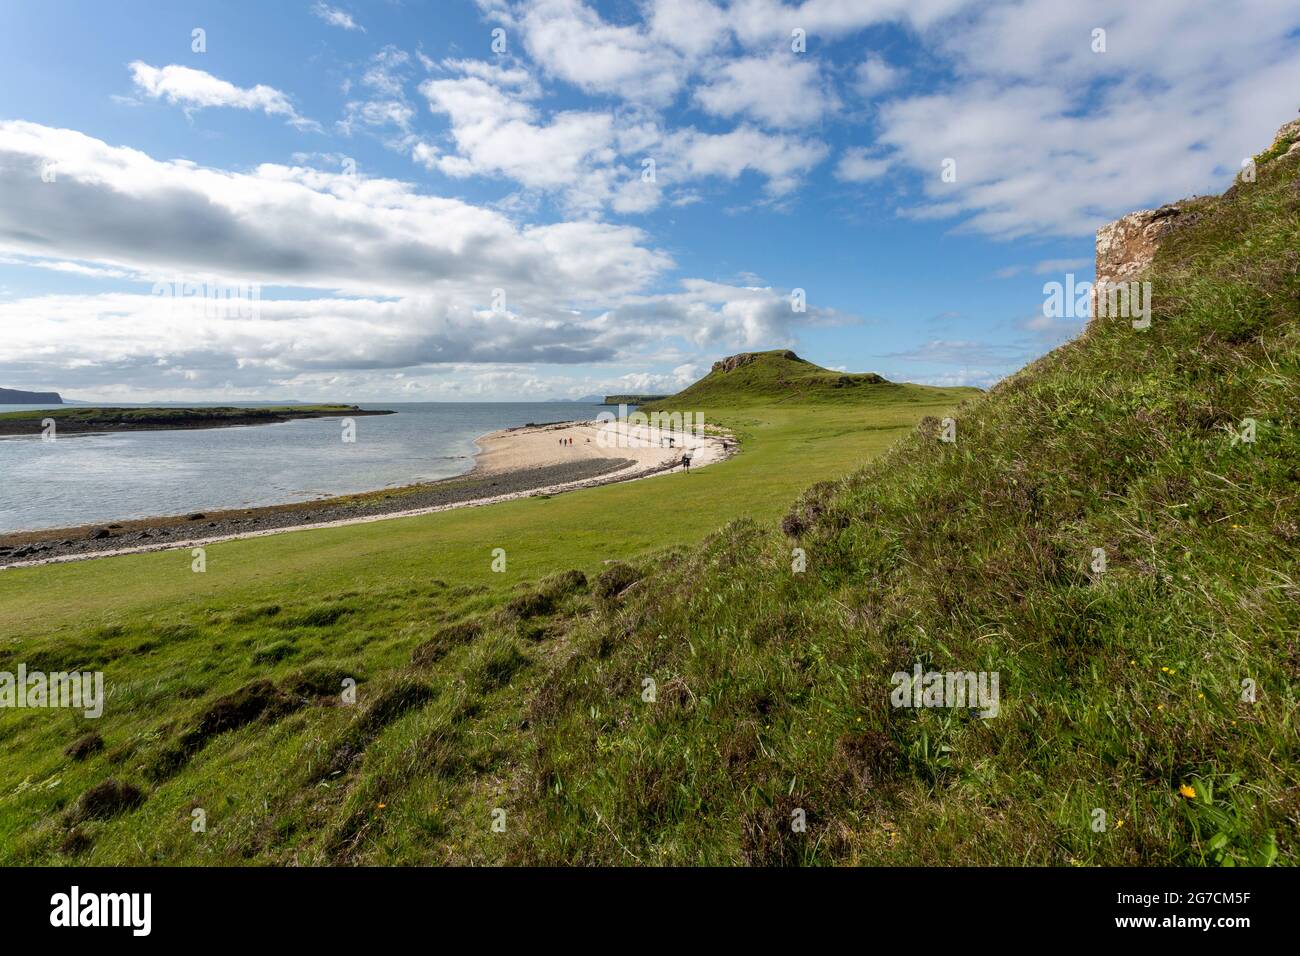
[(303, 610)]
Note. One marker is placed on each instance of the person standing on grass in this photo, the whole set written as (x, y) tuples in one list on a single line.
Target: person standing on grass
[(686, 463)]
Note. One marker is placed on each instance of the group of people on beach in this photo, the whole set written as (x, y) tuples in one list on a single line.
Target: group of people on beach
[(685, 460)]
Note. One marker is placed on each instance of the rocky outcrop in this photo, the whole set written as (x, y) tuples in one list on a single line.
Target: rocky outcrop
[(733, 362), (1127, 246)]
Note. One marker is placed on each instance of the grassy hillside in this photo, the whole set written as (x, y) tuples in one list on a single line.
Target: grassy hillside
[(297, 610), (1124, 691), (779, 377)]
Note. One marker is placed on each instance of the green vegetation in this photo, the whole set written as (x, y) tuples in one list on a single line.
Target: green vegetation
[(781, 377), (74, 420), (1159, 690), (271, 628), (632, 399)]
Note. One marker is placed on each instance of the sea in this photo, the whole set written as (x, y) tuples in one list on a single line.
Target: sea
[(97, 479)]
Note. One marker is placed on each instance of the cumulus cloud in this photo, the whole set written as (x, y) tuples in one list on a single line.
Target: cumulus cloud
[(595, 159), (782, 89), (1050, 137), (295, 226), (572, 42), (194, 89), (403, 279), (873, 75)]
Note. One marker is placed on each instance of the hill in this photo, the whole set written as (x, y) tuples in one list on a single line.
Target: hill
[(1113, 532), (14, 396), (778, 377)]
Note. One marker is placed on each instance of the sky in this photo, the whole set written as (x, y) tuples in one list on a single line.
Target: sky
[(499, 200)]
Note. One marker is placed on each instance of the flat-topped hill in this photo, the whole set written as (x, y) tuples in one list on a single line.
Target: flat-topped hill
[(17, 396), (779, 376)]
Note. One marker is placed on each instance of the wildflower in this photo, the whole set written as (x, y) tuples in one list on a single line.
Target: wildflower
[(380, 806), (1187, 791)]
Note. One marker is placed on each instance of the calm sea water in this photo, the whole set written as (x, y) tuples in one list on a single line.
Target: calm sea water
[(88, 479)]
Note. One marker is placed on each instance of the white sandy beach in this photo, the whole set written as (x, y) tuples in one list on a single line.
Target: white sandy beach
[(541, 445), (504, 451)]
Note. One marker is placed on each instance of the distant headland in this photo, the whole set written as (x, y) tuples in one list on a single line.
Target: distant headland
[(16, 396), (80, 421), (632, 399)]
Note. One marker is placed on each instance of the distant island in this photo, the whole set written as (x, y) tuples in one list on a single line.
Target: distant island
[(16, 396), (632, 399), (78, 421)]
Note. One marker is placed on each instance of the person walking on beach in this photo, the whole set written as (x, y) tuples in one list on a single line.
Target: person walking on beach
[(686, 463)]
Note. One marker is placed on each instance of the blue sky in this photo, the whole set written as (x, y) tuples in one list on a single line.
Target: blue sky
[(425, 217)]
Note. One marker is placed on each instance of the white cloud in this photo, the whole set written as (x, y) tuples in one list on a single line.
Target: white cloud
[(572, 42), (496, 132), (782, 89), (760, 21), (858, 166), (1052, 138), (195, 89), (294, 226), (783, 160), (595, 159), (406, 279), (336, 17), (874, 76), (693, 27)]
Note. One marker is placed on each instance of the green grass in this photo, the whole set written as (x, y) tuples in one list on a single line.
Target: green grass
[(1122, 692), (354, 601), (781, 377)]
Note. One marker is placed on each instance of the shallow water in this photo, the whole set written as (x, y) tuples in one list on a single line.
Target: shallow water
[(90, 479)]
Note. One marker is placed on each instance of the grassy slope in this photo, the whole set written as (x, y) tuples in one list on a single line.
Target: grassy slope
[(1118, 690), (779, 377), (357, 599)]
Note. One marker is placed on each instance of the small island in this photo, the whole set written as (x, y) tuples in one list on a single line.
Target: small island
[(80, 421)]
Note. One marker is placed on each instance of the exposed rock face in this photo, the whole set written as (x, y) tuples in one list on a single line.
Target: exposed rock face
[(1289, 133), (731, 363), (1127, 245)]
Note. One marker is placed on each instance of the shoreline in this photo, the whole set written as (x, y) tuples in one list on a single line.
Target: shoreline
[(512, 463)]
